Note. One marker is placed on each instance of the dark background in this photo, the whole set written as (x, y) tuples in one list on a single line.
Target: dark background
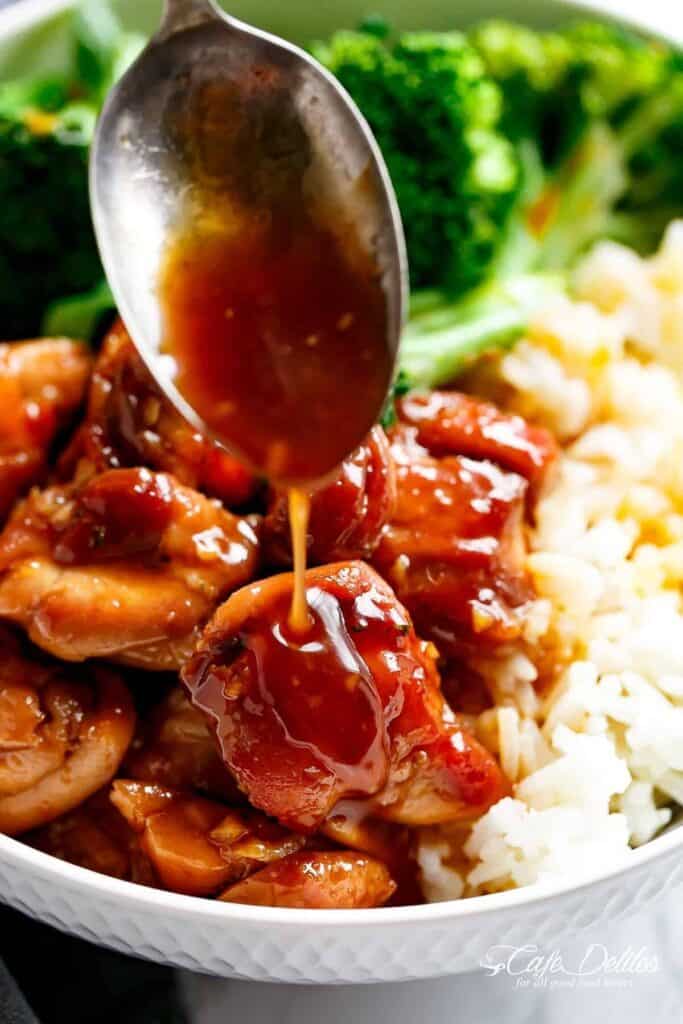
[(68, 981)]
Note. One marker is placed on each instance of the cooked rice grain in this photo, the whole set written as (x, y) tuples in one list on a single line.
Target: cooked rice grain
[(597, 762)]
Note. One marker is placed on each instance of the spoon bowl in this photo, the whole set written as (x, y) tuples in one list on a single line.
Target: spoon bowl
[(213, 107)]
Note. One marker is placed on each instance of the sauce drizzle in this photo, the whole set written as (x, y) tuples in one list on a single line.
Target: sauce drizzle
[(299, 511), (274, 312), (277, 330)]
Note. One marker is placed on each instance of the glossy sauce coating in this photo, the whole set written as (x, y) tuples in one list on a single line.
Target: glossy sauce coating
[(63, 734), (134, 555), (197, 846), (130, 423), (304, 722), (42, 383), (312, 697), (120, 515), (451, 423), (454, 548), (339, 880), (174, 830), (347, 514)]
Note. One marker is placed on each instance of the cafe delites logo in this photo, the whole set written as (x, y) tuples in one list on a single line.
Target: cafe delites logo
[(528, 966)]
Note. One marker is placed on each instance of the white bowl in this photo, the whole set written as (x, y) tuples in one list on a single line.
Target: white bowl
[(271, 944)]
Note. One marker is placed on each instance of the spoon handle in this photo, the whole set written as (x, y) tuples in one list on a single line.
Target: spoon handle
[(182, 14)]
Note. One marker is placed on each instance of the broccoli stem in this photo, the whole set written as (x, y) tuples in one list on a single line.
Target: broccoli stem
[(441, 340), (557, 217), (586, 190), (79, 315)]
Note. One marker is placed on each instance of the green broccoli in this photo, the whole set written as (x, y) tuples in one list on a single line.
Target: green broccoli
[(102, 50), (650, 136), (531, 68), (435, 113), (595, 115), (443, 337), (580, 90), (80, 316), (47, 244)]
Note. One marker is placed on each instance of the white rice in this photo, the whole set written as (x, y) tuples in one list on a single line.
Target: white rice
[(597, 762)]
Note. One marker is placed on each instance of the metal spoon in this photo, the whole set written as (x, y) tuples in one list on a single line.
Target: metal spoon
[(308, 134)]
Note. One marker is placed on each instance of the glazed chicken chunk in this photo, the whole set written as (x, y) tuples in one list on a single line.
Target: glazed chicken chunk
[(177, 840), (334, 879), (174, 747), (346, 515), (42, 384), (129, 422), (451, 423), (195, 845), (63, 733), (454, 549), (96, 836), (350, 709), (127, 566)]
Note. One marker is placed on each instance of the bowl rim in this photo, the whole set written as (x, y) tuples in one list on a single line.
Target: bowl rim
[(22, 16), (145, 897), (24, 13)]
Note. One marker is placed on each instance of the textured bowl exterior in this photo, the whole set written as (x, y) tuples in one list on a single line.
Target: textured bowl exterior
[(327, 947), (298, 946)]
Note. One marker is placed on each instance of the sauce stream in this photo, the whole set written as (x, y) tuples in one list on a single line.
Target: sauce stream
[(273, 309), (299, 510)]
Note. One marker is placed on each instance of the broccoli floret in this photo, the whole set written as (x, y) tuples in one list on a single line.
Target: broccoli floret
[(571, 100), (435, 114), (611, 68), (555, 84), (530, 67), (80, 316), (651, 141), (47, 244), (595, 115), (441, 341)]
